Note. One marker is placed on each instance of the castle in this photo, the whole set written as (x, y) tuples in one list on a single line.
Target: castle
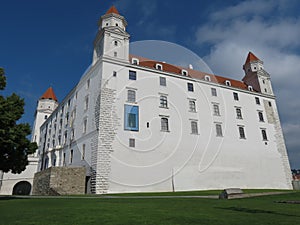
[(141, 125)]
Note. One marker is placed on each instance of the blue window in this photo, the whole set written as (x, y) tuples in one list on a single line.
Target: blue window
[(131, 119), (132, 75), (190, 87)]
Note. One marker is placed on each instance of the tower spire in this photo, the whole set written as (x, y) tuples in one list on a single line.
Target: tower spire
[(49, 94), (112, 9), (251, 57)]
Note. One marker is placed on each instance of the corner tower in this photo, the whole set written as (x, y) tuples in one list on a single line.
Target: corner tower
[(46, 105), (256, 76), (112, 40)]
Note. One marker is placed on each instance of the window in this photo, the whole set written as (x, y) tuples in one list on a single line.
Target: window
[(116, 43), (131, 96), (239, 113), (132, 75), (257, 100), (86, 103), (71, 156), (46, 117), (148, 124), (83, 152), (184, 72), (131, 142), (250, 88), (115, 54), (264, 135), (135, 61), (194, 127), (163, 101), (114, 73), (270, 104), (164, 124), (84, 126), (162, 81), (216, 110), (228, 83), (219, 130), (261, 117), (131, 120), (213, 92), (87, 84), (242, 132), (235, 96), (158, 66), (192, 105), (190, 87), (207, 78)]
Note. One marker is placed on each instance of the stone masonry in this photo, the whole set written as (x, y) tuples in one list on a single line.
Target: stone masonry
[(60, 181)]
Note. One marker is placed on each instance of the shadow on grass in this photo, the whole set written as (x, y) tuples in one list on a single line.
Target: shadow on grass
[(255, 211)]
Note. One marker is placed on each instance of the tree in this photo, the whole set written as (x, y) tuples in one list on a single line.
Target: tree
[(14, 146)]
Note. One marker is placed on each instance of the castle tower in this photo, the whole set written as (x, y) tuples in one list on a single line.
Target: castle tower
[(46, 105), (112, 40), (256, 76)]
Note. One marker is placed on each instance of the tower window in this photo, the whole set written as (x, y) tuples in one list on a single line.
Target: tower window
[(114, 73), (238, 113), (213, 92), (115, 54), (242, 132), (131, 142), (194, 127), (131, 96), (83, 152), (190, 87), (163, 101), (117, 24), (261, 117), (162, 81), (71, 156), (192, 105), (257, 100), (264, 135), (132, 75), (164, 124), (116, 43), (235, 96), (216, 109), (131, 118), (219, 132), (46, 117)]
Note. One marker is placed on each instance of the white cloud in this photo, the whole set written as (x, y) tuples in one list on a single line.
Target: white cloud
[(266, 29)]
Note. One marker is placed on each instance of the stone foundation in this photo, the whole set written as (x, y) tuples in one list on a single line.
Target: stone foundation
[(60, 181)]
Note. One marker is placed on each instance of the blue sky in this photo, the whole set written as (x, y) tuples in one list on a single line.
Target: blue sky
[(45, 43)]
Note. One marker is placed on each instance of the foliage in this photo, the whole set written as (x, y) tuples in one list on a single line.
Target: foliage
[(14, 146), (166, 211)]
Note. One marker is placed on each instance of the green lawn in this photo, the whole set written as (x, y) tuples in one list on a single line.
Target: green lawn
[(82, 211)]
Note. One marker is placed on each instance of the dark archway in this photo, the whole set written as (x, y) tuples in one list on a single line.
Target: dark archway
[(22, 188)]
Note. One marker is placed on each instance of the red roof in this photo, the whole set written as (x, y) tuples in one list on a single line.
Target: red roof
[(251, 57), (49, 94), (191, 73), (112, 9)]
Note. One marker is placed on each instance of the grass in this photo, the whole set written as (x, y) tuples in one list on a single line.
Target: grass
[(83, 211)]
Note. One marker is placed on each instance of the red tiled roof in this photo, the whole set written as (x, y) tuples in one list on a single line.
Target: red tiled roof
[(112, 9), (191, 73), (251, 57), (49, 94)]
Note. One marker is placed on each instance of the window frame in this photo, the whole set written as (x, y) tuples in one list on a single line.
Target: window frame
[(163, 101), (163, 81), (216, 109), (164, 124), (190, 87), (192, 105), (194, 127), (219, 131), (132, 75), (242, 132), (214, 92), (131, 95), (236, 96)]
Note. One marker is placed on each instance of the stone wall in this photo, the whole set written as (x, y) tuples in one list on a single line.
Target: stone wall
[(59, 181)]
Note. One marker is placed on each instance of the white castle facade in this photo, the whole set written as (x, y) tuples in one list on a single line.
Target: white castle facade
[(139, 125)]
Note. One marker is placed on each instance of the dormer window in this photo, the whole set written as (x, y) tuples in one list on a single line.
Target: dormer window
[(184, 72), (250, 88), (228, 83), (158, 66), (207, 78), (135, 61)]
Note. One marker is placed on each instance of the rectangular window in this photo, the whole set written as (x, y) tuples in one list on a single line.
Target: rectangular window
[(219, 132), (162, 81), (163, 101), (242, 132), (213, 92), (132, 75), (238, 113), (84, 126), (190, 87), (86, 103), (261, 117), (216, 110), (194, 127), (131, 118), (235, 96), (257, 100), (131, 142), (264, 134), (164, 124), (88, 84), (71, 156), (64, 159), (131, 96), (192, 105), (83, 152)]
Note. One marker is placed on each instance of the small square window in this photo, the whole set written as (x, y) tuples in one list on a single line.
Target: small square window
[(132, 75), (162, 81), (131, 142), (190, 87)]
